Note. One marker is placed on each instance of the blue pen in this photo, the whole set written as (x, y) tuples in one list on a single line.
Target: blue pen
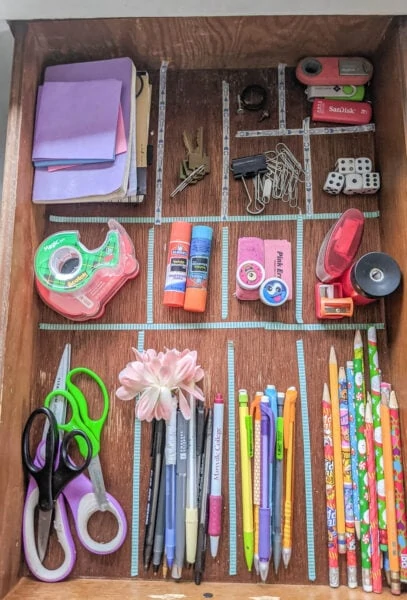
[(353, 450), (267, 436), (271, 394), (170, 474)]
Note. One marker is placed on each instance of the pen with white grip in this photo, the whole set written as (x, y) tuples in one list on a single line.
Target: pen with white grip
[(215, 498)]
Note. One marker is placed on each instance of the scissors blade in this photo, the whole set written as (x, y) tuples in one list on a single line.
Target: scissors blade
[(44, 527), (96, 476), (58, 404)]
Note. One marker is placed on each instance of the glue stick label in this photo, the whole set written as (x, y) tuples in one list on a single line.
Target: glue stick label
[(177, 267), (199, 263)]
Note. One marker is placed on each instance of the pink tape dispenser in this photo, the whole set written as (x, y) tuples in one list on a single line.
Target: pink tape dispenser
[(77, 282)]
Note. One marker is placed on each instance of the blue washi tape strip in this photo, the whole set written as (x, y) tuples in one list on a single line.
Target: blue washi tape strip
[(299, 273), (225, 272), (150, 276), (313, 131), (226, 150), (135, 524), (309, 506), (159, 171), (306, 142), (267, 325), (281, 96), (374, 214), (232, 461)]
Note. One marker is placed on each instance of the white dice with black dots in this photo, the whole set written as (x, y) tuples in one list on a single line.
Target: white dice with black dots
[(334, 183), (352, 176)]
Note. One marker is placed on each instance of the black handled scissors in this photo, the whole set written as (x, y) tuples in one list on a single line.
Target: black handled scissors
[(51, 468)]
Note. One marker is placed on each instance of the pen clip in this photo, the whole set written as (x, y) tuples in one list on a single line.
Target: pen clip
[(289, 412), (267, 414), (280, 438), (249, 435)]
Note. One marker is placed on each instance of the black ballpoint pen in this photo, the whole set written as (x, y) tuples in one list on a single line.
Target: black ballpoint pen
[(200, 432), (157, 458), (203, 501), (159, 533)]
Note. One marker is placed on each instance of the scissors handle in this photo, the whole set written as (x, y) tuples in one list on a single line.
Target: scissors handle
[(67, 469), (42, 469), (83, 504)]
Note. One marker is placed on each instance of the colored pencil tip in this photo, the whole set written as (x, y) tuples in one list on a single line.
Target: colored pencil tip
[(332, 356), (264, 570), (325, 394), (393, 400), (176, 573), (358, 339)]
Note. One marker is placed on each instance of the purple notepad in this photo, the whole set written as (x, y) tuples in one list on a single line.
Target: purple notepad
[(77, 121), (98, 180)]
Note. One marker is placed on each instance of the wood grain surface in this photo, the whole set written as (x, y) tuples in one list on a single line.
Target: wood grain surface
[(208, 43), (145, 590), (262, 357)]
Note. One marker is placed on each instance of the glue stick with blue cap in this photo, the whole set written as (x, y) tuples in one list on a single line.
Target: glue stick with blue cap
[(198, 269)]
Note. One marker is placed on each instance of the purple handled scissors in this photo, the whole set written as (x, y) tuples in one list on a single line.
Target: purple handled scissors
[(55, 478)]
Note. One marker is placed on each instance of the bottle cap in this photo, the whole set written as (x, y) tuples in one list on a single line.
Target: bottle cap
[(274, 291), (250, 274)]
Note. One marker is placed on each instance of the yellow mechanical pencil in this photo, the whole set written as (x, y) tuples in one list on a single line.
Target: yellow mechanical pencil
[(246, 473), (289, 441)]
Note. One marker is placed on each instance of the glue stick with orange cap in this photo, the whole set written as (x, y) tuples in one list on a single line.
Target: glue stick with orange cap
[(198, 269), (177, 264)]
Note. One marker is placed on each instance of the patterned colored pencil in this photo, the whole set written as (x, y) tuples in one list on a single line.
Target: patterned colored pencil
[(375, 381), (330, 489), (398, 476), (256, 417), (353, 444), (390, 499), (371, 474), (336, 434), (347, 481), (362, 466)]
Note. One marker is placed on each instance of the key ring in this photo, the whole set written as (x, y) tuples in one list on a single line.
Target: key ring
[(253, 97)]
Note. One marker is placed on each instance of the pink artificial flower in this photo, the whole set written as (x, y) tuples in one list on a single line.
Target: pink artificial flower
[(160, 380)]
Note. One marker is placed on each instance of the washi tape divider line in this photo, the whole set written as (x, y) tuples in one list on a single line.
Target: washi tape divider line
[(309, 506), (150, 276), (313, 131), (232, 460), (299, 270), (225, 272), (210, 219), (309, 204), (159, 173), (226, 150), (268, 326), (281, 97), (135, 524)]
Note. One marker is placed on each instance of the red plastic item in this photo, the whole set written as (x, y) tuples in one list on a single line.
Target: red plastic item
[(341, 111), (334, 70), (340, 246)]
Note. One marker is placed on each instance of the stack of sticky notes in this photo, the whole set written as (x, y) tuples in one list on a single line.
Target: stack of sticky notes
[(84, 147)]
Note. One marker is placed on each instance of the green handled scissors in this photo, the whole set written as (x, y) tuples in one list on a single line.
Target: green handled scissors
[(81, 420)]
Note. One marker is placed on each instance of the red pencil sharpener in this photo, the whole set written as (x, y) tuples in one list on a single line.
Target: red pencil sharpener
[(334, 70), (329, 302)]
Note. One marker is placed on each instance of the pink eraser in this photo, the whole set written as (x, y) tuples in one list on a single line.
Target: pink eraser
[(215, 515), (250, 262), (278, 262)]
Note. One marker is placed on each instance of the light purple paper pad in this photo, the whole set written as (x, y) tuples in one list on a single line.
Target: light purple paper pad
[(77, 121), (97, 180)]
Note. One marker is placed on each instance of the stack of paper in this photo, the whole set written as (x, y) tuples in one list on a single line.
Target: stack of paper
[(85, 147)]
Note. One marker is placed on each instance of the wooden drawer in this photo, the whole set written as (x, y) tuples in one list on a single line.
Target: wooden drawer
[(202, 52)]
